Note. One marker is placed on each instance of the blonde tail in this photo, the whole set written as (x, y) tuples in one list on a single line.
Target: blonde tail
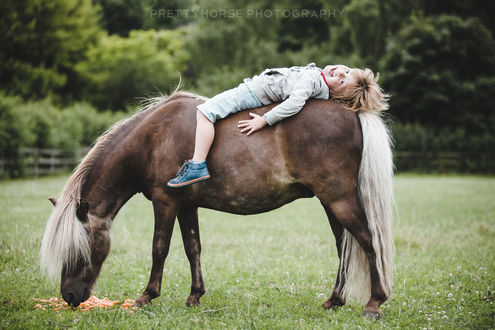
[(377, 200)]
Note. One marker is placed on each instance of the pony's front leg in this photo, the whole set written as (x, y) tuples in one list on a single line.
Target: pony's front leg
[(188, 220), (165, 213)]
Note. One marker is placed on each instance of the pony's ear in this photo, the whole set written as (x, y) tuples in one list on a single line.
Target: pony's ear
[(53, 200), (82, 210)]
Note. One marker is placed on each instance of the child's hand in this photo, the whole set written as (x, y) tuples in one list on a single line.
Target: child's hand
[(252, 125)]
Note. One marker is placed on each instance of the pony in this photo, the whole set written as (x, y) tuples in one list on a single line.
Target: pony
[(341, 157)]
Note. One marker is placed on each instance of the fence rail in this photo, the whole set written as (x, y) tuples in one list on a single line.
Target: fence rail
[(39, 162), (445, 161)]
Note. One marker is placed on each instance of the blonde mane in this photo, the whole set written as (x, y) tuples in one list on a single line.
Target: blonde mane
[(65, 240)]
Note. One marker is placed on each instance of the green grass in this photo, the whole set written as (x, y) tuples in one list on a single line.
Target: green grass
[(267, 271)]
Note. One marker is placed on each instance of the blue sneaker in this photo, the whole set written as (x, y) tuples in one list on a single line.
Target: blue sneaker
[(190, 173)]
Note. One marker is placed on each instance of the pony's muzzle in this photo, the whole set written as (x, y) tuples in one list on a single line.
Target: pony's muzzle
[(74, 298), (70, 298)]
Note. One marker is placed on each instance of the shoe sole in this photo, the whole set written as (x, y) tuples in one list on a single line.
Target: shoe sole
[(187, 183)]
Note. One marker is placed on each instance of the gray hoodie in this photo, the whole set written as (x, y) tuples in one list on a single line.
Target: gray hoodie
[(291, 86)]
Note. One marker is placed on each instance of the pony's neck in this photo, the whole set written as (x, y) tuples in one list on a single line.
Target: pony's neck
[(106, 190), (109, 175)]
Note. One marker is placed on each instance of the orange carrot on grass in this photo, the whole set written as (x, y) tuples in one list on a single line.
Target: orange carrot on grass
[(92, 303)]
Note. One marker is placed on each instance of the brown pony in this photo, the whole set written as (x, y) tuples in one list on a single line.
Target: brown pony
[(342, 158)]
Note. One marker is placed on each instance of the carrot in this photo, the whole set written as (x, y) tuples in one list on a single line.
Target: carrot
[(56, 304)]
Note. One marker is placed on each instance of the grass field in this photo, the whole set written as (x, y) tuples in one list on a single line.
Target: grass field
[(267, 271)]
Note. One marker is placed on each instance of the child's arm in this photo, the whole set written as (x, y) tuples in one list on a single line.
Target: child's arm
[(303, 90), (308, 86)]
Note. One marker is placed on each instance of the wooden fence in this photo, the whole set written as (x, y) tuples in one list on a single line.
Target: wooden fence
[(443, 161), (39, 162)]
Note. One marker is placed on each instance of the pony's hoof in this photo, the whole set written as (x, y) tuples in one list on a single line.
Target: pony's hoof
[(331, 305), (142, 301), (372, 315), (193, 302), (139, 303)]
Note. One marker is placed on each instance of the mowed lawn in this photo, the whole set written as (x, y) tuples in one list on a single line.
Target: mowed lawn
[(267, 271)]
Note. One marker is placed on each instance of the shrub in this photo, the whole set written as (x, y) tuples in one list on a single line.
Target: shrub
[(12, 135), (42, 125), (441, 72), (41, 42), (442, 149), (119, 70)]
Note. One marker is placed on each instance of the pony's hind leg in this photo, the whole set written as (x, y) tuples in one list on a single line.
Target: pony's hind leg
[(350, 215), (188, 220), (165, 213), (336, 299)]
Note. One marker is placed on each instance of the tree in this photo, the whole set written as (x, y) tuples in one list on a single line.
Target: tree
[(441, 72), (231, 42), (122, 16), (167, 14), (297, 14), (119, 70), (362, 20), (41, 42), (481, 9), (12, 134)]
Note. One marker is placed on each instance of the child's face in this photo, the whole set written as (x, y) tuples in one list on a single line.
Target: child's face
[(338, 77)]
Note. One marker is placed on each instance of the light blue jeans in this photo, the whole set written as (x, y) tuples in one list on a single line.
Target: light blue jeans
[(229, 102)]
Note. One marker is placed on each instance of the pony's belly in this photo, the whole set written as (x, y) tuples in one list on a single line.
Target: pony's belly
[(252, 201)]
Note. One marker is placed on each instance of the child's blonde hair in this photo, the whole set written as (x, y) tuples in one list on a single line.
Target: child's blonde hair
[(364, 94)]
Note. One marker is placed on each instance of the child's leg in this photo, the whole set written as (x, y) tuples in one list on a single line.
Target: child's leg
[(195, 170), (218, 107), (205, 133)]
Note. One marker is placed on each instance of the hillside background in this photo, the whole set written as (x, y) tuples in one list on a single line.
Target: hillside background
[(71, 68)]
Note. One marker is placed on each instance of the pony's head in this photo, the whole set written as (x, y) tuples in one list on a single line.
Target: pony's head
[(75, 245)]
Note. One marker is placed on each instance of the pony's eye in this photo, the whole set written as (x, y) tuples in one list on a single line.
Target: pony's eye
[(341, 82)]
